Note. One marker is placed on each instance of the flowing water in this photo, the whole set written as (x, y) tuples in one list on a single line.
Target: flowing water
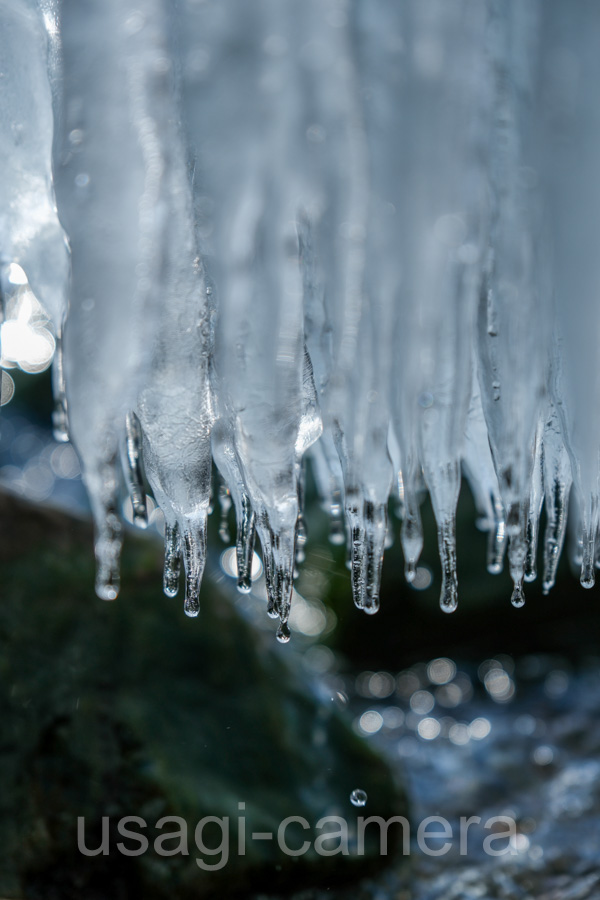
[(506, 738)]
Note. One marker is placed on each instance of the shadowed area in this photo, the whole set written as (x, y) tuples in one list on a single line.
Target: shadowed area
[(128, 708)]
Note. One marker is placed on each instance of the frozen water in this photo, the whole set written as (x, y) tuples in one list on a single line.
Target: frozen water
[(32, 242), (350, 231), (30, 231)]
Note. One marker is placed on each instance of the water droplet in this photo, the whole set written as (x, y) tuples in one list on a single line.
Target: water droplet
[(518, 597), (107, 590), (358, 797), (191, 607), (371, 605), (283, 633), (448, 599)]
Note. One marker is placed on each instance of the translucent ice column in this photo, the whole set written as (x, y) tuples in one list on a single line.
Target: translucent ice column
[(34, 255), (175, 407), (570, 137), (251, 188), (112, 197), (513, 314), (424, 69), (357, 230)]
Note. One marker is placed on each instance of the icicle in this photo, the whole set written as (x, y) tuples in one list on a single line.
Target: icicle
[(512, 335), (109, 532), (132, 464), (481, 475), (328, 476), (557, 487), (375, 518), (176, 424), (447, 548), (112, 174), (557, 498), (367, 528), (356, 548), (193, 530), (278, 553), (310, 429), (398, 288), (588, 537), (534, 508), (172, 565), (31, 236), (270, 574), (570, 37), (244, 547), (227, 461), (60, 418), (517, 551), (444, 485), (107, 546)]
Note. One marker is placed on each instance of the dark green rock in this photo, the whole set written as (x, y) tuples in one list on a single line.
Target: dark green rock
[(130, 708)]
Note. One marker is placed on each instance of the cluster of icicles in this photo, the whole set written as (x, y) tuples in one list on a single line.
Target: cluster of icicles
[(357, 230)]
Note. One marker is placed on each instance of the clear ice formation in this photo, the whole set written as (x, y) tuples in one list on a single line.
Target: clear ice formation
[(350, 231)]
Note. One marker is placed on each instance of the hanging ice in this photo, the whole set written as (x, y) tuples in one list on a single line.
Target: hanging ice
[(115, 175), (352, 231), (34, 264)]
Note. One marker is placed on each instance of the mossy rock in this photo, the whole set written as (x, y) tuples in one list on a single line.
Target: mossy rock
[(131, 709)]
